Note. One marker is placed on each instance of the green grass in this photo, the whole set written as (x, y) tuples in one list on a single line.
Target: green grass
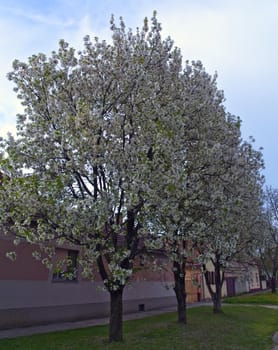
[(238, 328), (264, 298)]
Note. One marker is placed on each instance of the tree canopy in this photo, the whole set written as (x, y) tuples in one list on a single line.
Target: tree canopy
[(121, 146)]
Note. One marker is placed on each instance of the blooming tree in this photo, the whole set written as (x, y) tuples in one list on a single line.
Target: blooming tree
[(91, 142), (204, 152), (231, 210), (268, 240), (118, 150)]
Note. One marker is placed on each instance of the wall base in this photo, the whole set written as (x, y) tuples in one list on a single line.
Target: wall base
[(24, 317)]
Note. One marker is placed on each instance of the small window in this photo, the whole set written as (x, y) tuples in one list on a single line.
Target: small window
[(210, 277), (142, 260), (65, 265)]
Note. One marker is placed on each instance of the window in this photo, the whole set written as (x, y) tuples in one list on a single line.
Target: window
[(142, 260), (65, 265), (210, 277)]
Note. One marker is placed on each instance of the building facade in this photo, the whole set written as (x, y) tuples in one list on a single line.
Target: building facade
[(32, 294)]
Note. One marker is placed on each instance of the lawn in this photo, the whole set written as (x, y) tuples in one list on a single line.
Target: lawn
[(266, 298), (238, 328)]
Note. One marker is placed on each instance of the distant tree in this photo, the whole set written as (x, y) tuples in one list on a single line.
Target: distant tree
[(231, 206), (268, 240), (178, 214), (93, 139)]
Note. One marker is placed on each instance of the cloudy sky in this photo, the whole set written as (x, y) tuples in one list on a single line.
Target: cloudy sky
[(236, 38)]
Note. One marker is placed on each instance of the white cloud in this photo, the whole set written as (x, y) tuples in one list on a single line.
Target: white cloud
[(38, 17), (235, 34), (85, 27)]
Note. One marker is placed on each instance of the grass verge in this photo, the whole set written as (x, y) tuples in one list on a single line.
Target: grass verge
[(264, 298), (238, 328)]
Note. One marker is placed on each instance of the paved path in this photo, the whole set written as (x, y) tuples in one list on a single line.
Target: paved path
[(54, 327)]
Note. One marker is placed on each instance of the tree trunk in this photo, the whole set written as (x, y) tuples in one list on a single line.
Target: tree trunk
[(273, 284), (218, 282), (179, 274), (217, 305), (116, 315)]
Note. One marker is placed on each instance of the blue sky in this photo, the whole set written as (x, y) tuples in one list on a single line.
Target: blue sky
[(238, 39)]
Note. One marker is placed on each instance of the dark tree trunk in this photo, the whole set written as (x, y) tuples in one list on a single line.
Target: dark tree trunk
[(116, 296), (273, 283), (179, 274), (116, 315), (217, 305), (218, 282)]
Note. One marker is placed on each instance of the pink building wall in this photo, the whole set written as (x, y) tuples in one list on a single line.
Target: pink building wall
[(28, 295)]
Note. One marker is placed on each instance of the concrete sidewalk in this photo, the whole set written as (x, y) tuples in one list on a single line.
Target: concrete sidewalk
[(56, 327)]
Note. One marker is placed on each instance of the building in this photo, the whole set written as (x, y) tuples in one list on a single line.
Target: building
[(239, 278), (32, 294)]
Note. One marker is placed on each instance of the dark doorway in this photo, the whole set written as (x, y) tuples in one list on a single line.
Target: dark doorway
[(231, 290)]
